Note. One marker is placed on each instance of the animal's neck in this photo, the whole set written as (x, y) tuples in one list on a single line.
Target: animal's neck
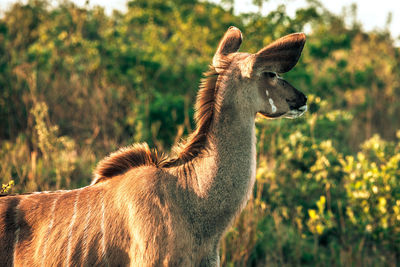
[(232, 142), (224, 177)]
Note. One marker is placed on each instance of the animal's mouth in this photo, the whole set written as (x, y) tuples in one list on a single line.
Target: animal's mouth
[(295, 113), (291, 114)]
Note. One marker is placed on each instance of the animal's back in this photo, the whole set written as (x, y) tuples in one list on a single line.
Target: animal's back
[(19, 225), (128, 220), (57, 228)]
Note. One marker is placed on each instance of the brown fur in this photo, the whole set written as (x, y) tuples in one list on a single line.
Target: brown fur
[(126, 158), (159, 211)]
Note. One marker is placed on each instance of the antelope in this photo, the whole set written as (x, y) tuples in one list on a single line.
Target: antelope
[(144, 208)]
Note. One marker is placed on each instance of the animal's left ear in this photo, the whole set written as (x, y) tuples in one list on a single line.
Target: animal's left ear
[(230, 43), (281, 55)]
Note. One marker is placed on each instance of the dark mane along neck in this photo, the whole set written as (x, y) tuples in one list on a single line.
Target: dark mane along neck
[(141, 155), (207, 105)]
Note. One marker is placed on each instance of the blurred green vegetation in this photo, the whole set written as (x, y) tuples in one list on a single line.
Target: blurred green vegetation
[(76, 84)]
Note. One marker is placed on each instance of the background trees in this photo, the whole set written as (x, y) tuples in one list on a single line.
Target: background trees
[(76, 84)]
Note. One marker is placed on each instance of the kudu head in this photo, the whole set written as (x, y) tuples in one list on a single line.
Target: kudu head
[(252, 80)]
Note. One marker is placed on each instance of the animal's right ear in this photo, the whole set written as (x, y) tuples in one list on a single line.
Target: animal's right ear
[(281, 55), (230, 43)]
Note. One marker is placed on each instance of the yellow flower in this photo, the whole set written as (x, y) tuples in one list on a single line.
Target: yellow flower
[(62, 35), (312, 214), (319, 228)]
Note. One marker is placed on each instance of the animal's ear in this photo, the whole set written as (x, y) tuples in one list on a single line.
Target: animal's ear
[(230, 43), (281, 55)]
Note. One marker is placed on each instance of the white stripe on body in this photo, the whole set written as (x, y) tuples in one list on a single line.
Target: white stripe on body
[(103, 231), (85, 235), (71, 225), (46, 238), (17, 231)]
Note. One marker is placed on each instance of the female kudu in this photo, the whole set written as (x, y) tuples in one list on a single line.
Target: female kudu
[(144, 209)]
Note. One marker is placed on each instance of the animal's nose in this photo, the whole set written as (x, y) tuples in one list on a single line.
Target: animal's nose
[(297, 102), (305, 98)]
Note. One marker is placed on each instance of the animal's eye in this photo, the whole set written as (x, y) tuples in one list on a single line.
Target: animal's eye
[(270, 74)]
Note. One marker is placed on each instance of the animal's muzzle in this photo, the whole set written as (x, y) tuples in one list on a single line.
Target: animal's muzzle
[(299, 103)]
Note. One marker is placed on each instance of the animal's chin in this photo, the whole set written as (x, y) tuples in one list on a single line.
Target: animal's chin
[(294, 113), (271, 116), (291, 114)]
